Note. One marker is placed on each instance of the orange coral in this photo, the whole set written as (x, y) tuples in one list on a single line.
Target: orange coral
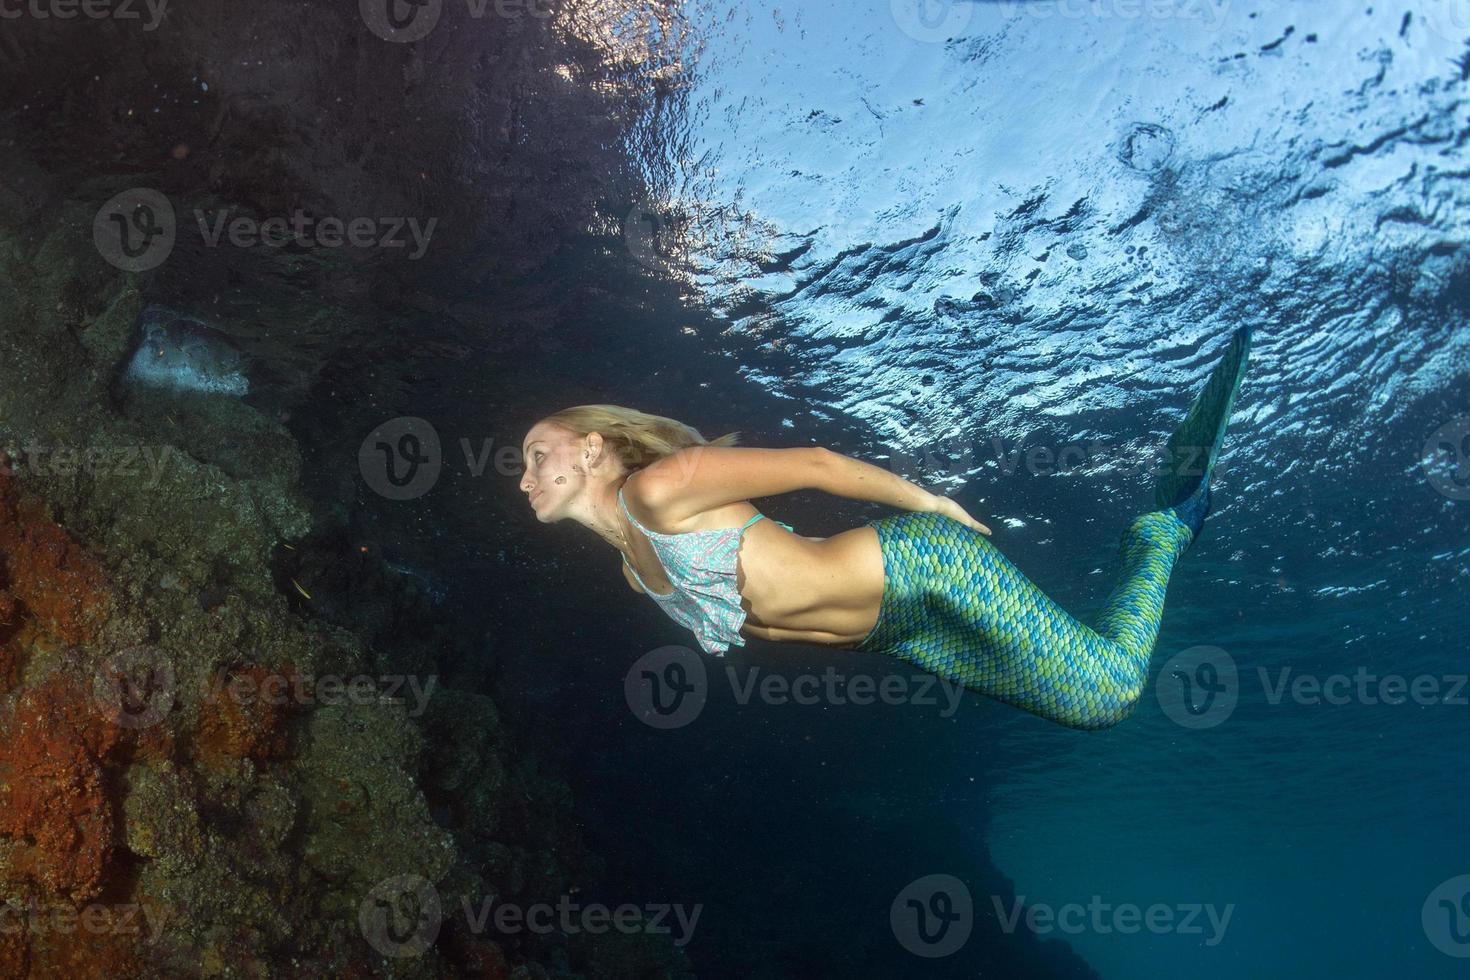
[(245, 715), (10, 653), (52, 799), (53, 578), (90, 942), (58, 748)]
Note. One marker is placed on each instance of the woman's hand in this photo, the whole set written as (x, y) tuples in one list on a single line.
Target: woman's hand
[(947, 507)]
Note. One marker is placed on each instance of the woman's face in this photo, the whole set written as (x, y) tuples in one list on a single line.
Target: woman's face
[(553, 458)]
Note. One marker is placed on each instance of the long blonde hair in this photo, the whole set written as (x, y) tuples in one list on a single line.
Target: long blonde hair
[(635, 438)]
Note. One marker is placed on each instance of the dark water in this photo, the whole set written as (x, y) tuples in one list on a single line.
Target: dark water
[(994, 246)]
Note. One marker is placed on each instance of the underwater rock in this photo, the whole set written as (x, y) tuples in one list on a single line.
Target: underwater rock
[(272, 811), (10, 654), (182, 354), (56, 758), (244, 717), (159, 821), (249, 836), (53, 793), (365, 817), (55, 582), (466, 766)]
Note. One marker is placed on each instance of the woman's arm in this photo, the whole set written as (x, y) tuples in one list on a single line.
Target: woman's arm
[(843, 476)]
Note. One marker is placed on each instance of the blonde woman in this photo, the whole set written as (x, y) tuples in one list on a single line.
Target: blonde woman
[(924, 586)]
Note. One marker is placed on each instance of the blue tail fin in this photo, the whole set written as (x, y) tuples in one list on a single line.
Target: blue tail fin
[(1189, 458)]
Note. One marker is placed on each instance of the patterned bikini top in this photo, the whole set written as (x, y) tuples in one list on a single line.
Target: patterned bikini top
[(700, 566)]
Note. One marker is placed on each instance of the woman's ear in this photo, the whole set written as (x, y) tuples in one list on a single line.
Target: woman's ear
[(594, 448)]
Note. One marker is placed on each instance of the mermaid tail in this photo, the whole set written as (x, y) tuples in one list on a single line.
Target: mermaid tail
[(1189, 458), (955, 606)]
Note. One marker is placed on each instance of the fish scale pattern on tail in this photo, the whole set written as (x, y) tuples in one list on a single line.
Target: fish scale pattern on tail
[(955, 606)]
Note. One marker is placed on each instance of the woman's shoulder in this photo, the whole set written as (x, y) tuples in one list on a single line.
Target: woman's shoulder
[(644, 501), (650, 498)]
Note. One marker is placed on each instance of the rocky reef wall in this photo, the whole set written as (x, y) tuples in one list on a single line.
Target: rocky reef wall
[(186, 788)]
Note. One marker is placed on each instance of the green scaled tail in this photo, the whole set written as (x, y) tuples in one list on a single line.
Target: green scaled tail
[(1189, 458)]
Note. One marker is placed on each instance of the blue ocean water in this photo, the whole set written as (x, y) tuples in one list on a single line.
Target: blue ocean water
[(995, 247), (1001, 244)]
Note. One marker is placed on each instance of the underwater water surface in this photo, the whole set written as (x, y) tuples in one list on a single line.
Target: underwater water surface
[(1008, 239), (995, 247)]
